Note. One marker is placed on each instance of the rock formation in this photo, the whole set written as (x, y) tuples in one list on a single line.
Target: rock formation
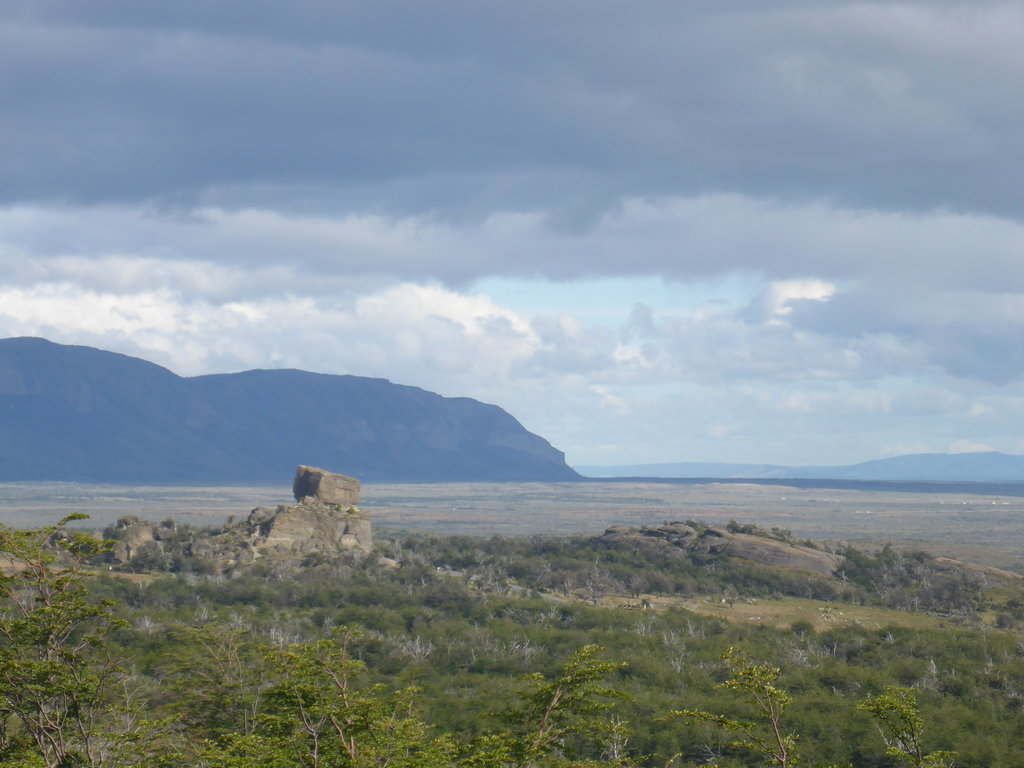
[(131, 533), (324, 521), (310, 526), (678, 534), (719, 541), (764, 551), (326, 487)]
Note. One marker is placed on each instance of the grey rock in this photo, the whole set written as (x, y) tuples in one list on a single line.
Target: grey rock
[(778, 554), (130, 534), (327, 487), (309, 526), (719, 541), (325, 521)]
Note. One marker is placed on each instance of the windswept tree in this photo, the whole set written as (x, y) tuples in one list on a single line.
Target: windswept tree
[(902, 729), (764, 733)]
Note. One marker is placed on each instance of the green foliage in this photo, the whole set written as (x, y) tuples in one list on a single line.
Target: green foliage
[(554, 717), (911, 581), (765, 736), (53, 674), (902, 728), (318, 714), (219, 675), (252, 670), (465, 644)]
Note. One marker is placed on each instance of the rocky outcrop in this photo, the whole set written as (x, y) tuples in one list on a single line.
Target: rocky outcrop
[(676, 534), (327, 487), (762, 550), (324, 521), (309, 526), (130, 534)]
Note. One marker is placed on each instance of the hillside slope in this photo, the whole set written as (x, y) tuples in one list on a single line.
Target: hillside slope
[(83, 414)]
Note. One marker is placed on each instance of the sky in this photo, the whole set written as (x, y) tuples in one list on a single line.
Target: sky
[(779, 231)]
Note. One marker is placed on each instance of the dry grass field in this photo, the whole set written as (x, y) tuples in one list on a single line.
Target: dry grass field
[(785, 612)]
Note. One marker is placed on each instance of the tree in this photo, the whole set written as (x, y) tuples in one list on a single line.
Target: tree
[(219, 673), (901, 727), (317, 716), (765, 736), (552, 714), (53, 671)]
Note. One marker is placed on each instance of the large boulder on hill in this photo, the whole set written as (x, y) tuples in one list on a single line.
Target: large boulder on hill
[(325, 521), (325, 486)]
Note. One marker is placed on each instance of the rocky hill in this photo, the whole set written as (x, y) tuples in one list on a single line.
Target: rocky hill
[(760, 550), (324, 523), (81, 414)]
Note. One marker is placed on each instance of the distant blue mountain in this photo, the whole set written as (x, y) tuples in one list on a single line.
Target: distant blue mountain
[(989, 467), (82, 414), (681, 469)]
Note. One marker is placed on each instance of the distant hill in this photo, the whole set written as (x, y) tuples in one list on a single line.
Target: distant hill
[(82, 414), (681, 469), (988, 467)]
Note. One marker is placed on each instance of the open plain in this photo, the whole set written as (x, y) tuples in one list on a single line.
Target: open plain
[(987, 529)]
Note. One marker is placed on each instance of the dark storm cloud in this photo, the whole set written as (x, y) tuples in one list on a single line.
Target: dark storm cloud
[(466, 107), (677, 239)]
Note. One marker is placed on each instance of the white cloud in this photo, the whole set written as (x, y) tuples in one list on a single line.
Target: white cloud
[(392, 331), (65, 307), (663, 378), (781, 293), (903, 448), (968, 446)]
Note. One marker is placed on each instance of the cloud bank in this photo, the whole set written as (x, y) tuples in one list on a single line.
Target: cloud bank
[(779, 231)]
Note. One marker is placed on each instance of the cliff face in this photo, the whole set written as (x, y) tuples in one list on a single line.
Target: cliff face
[(83, 414)]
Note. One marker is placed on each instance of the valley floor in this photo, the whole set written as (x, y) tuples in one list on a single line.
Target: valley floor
[(980, 529)]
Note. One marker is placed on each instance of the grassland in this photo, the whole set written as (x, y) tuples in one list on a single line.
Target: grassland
[(785, 612)]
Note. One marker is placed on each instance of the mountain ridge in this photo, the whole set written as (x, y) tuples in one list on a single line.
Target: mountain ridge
[(981, 466), (89, 415)]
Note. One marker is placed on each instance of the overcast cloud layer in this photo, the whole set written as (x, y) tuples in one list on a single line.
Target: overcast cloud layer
[(765, 231)]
